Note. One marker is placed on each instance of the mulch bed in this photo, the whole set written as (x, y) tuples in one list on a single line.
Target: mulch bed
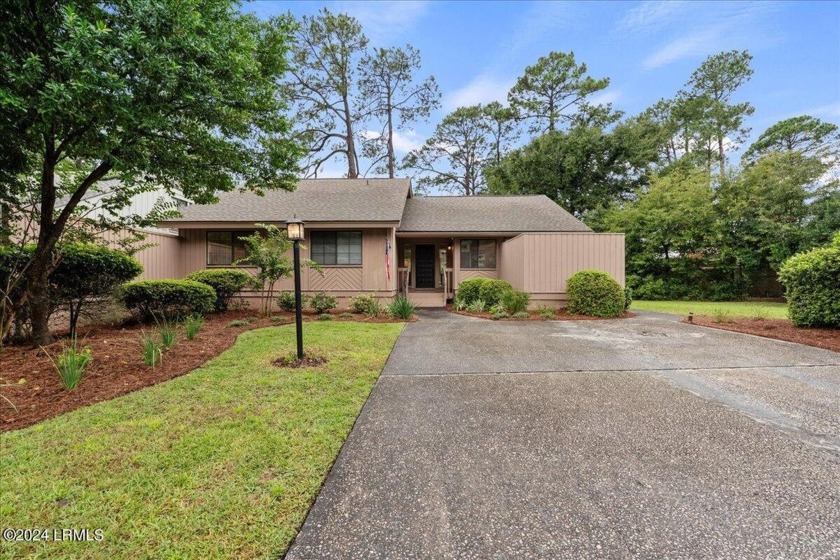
[(780, 329), (560, 315), (29, 380), (293, 362)]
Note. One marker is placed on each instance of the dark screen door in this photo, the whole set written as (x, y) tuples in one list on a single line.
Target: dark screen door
[(425, 272)]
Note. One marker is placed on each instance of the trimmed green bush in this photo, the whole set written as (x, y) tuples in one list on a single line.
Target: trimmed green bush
[(86, 272), (322, 302), (812, 286), (170, 299), (468, 290), (515, 302), (492, 290), (595, 293), (226, 281), (367, 304), (286, 301)]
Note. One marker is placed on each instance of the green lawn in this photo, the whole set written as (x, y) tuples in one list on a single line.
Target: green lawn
[(763, 309), (220, 463)]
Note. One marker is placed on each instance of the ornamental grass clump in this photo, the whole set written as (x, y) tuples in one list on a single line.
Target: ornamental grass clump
[(71, 364), (595, 293), (151, 350), (192, 325), (401, 308)]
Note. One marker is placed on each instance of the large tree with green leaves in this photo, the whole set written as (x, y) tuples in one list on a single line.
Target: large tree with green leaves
[(390, 90), (552, 89), (327, 52), (715, 119), (582, 169), (805, 134), (176, 93)]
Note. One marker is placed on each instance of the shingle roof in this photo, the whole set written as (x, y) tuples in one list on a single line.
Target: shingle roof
[(314, 200), (487, 214)]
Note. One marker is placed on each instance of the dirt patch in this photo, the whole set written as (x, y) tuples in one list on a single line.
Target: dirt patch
[(29, 380), (560, 315), (780, 329), (293, 362)]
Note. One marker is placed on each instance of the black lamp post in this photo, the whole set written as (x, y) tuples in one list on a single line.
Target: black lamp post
[(294, 229)]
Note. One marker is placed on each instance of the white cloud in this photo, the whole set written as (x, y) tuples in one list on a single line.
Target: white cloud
[(483, 89), (830, 110), (699, 43), (404, 142), (651, 14), (384, 22), (604, 97)]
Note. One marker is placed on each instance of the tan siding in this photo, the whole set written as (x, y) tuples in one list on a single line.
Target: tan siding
[(370, 277), (549, 259), (160, 260), (464, 274)]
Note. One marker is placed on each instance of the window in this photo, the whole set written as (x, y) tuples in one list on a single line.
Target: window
[(478, 253), (337, 247), (225, 247)]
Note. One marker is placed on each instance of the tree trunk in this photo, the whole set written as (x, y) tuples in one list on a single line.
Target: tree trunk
[(721, 157), (37, 287), (551, 115), (352, 168)]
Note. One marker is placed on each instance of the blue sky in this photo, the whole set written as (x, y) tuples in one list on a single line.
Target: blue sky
[(476, 50)]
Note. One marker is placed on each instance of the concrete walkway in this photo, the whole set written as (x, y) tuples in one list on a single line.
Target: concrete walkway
[(606, 439)]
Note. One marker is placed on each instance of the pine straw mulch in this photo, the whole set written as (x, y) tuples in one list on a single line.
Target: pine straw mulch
[(559, 315), (29, 380), (779, 329)]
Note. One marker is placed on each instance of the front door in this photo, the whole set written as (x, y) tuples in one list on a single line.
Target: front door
[(425, 266)]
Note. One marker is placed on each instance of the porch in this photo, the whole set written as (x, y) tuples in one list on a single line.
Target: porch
[(425, 272)]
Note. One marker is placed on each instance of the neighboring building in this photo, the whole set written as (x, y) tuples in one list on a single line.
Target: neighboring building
[(159, 259), (373, 236)]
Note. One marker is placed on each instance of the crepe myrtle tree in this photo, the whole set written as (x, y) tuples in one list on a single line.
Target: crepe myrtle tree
[(172, 93)]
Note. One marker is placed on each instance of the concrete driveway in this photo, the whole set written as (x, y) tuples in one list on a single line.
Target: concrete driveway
[(592, 439)]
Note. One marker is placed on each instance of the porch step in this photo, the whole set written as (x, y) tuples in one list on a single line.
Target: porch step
[(426, 299)]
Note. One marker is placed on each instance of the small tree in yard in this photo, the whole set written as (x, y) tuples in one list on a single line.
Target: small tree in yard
[(178, 94), (268, 254)]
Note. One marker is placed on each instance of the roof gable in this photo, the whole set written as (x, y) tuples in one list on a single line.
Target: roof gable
[(519, 213), (314, 200)]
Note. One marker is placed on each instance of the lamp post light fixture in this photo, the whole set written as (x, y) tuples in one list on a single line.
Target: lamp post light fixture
[(294, 229)]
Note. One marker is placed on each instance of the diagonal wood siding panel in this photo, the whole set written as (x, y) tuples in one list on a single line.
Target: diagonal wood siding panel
[(339, 279)]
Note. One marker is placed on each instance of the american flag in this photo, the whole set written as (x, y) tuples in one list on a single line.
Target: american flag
[(388, 259)]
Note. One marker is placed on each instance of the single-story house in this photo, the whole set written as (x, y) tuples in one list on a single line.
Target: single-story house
[(375, 236)]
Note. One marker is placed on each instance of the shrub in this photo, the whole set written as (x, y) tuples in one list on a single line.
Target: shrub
[(170, 299), (812, 286), (468, 290), (477, 306), (628, 298), (493, 309), (595, 293), (226, 281), (286, 301), (459, 302), (152, 352), (323, 302), (279, 319), (325, 317), (192, 325), (367, 304), (721, 315), (238, 323), (546, 312), (492, 291), (402, 308), (71, 364), (86, 272), (515, 302), (499, 315), (521, 315)]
